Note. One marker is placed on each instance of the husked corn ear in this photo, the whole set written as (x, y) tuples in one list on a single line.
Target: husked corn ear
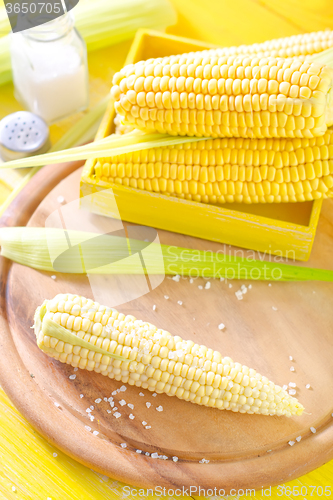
[(225, 96), (156, 360), (230, 170), (300, 46)]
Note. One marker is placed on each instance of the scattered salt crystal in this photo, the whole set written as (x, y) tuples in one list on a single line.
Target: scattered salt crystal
[(95, 433), (131, 416), (110, 399), (144, 422), (111, 404), (200, 287), (166, 297), (244, 288), (53, 277), (92, 407), (154, 307), (191, 280), (123, 445), (159, 408), (180, 302), (123, 388), (193, 319), (308, 386), (239, 295), (230, 285), (87, 428), (91, 417), (98, 400), (88, 410), (164, 457), (115, 408), (313, 430), (81, 396), (148, 404), (72, 377), (298, 438), (76, 369), (154, 455), (274, 308), (154, 395), (175, 459), (207, 285), (292, 369), (147, 454), (203, 461), (292, 392), (130, 405), (117, 414), (108, 411), (285, 387), (291, 358), (114, 393), (292, 384), (249, 287), (141, 394), (55, 455), (176, 278), (148, 427), (291, 443), (122, 402), (57, 404), (61, 200), (138, 451), (269, 284), (221, 279), (221, 326), (13, 488)]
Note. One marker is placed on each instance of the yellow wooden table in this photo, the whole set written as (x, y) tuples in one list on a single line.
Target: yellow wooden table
[(30, 468)]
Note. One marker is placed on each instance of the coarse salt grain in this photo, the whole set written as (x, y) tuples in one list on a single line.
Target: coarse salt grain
[(244, 289), (308, 386), (123, 388), (117, 414), (191, 280), (159, 408), (75, 369), (72, 377), (239, 295), (274, 308), (98, 400), (292, 369), (154, 307), (203, 461), (148, 427), (56, 404), (88, 410), (95, 433), (230, 285), (298, 438), (292, 384), (53, 277), (208, 285), (131, 416), (166, 297), (123, 445), (144, 422), (81, 396), (141, 394), (313, 430), (115, 408), (108, 411), (87, 428), (176, 278), (61, 200), (175, 459), (130, 405), (148, 404), (200, 287), (13, 488), (55, 455), (291, 443), (154, 395), (285, 387), (114, 393), (122, 402), (180, 302), (138, 451), (92, 407), (291, 358), (154, 455), (269, 284), (221, 326), (292, 392)]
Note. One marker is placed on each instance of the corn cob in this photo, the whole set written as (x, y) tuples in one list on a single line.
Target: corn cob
[(229, 170), (226, 96), (300, 46), (154, 359)]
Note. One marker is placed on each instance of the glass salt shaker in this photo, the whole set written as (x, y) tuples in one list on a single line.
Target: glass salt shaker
[(50, 69)]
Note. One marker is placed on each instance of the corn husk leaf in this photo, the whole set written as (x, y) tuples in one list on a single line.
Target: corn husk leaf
[(31, 247)]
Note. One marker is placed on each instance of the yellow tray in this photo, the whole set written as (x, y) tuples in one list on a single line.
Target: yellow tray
[(282, 229)]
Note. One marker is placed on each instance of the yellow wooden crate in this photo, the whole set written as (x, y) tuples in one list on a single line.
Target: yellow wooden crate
[(284, 229)]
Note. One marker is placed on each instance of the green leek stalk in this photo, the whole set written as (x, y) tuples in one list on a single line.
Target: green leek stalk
[(30, 247)]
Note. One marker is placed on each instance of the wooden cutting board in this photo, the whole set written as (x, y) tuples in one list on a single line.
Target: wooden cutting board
[(244, 451)]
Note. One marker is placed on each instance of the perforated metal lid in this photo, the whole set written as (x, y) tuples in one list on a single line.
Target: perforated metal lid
[(22, 134)]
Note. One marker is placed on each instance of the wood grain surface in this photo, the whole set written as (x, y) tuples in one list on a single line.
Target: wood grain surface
[(243, 450)]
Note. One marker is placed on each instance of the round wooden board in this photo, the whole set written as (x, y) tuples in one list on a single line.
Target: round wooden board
[(244, 451)]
